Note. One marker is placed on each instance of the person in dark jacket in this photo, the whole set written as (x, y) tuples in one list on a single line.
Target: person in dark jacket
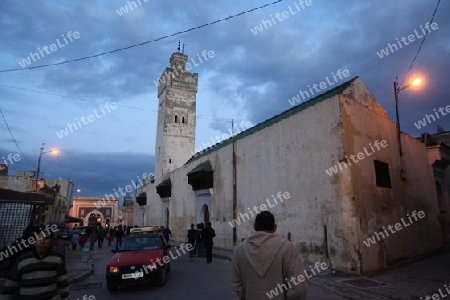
[(191, 239), (199, 241), (100, 236), (208, 234), (119, 236)]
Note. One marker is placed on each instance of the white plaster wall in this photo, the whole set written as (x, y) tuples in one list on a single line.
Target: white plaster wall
[(153, 209), (377, 207), (17, 183), (290, 156)]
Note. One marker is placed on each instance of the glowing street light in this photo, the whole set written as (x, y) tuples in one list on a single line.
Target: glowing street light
[(397, 90), (39, 160)]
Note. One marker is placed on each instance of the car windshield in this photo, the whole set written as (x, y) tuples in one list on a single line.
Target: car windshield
[(136, 243)]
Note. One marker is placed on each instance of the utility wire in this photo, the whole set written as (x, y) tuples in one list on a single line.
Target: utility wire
[(14, 139), (70, 97), (146, 42), (421, 43), (96, 101)]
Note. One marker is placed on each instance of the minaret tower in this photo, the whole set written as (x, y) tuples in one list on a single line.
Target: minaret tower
[(175, 133)]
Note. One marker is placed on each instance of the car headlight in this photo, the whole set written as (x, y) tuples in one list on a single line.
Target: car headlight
[(152, 267), (113, 270)]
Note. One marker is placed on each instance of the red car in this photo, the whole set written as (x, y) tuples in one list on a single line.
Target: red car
[(142, 258)]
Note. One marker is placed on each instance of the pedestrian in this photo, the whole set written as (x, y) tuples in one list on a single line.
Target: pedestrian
[(265, 261), (93, 239), (83, 240), (199, 240), (75, 240), (191, 240), (167, 234), (119, 236), (100, 236), (208, 234), (40, 273), (110, 238)]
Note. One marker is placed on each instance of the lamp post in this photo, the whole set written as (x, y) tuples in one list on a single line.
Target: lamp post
[(39, 160), (397, 91)]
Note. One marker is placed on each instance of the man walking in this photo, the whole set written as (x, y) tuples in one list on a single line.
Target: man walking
[(75, 240), (199, 240), (40, 273), (100, 236), (119, 235), (191, 240), (208, 234), (266, 261)]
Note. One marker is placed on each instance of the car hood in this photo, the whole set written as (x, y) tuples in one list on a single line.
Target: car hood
[(135, 257)]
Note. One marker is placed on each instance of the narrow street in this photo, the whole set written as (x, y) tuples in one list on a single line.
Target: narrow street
[(189, 279)]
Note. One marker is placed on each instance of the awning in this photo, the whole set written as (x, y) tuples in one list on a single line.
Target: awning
[(20, 197), (202, 176), (142, 198), (70, 219), (164, 189), (203, 167)]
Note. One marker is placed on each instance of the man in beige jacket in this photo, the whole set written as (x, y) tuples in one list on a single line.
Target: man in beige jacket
[(266, 265)]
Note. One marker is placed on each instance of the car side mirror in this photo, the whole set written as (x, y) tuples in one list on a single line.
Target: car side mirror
[(168, 246), (114, 251)]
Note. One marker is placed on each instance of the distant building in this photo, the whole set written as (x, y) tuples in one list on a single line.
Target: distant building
[(329, 169), (438, 149), (59, 189), (107, 209)]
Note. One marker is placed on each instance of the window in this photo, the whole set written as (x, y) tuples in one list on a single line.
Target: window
[(383, 178), (182, 120), (170, 160), (176, 119)]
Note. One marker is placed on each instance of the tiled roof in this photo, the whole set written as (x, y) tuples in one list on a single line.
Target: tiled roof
[(275, 119), (164, 183), (204, 166)]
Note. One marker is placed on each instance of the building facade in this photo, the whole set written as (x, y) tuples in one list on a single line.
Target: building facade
[(108, 211), (438, 150), (330, 171), (59, 190)]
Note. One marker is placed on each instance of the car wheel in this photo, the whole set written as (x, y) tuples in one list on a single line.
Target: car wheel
[(111, 287), (162, 277)]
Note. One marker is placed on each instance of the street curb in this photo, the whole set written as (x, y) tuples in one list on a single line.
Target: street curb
[(343, 290), (82, 276), (215, 255), (224, 257)]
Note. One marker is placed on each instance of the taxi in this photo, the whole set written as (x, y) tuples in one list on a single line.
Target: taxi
[(149, 229), (140, 259)]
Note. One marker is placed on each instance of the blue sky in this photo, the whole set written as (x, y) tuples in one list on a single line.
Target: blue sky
[(250, 78)]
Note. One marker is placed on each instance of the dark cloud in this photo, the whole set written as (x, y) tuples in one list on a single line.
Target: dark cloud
[(250, 78)]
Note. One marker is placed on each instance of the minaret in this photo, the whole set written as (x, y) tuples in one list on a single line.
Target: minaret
[(175, 133)]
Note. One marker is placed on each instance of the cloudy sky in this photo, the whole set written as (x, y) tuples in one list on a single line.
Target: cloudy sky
[(256, 69)]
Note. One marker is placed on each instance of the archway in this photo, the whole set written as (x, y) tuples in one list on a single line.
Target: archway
[(167, 218), (205, 214)]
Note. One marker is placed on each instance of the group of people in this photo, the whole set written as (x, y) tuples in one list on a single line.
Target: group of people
[(263, 260), (93, 234), (201, 240)]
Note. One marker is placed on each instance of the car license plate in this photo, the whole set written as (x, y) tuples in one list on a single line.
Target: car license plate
[(133, 275)]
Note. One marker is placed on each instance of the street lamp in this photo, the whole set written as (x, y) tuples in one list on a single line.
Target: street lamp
[(397, 91), (39, 160)]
